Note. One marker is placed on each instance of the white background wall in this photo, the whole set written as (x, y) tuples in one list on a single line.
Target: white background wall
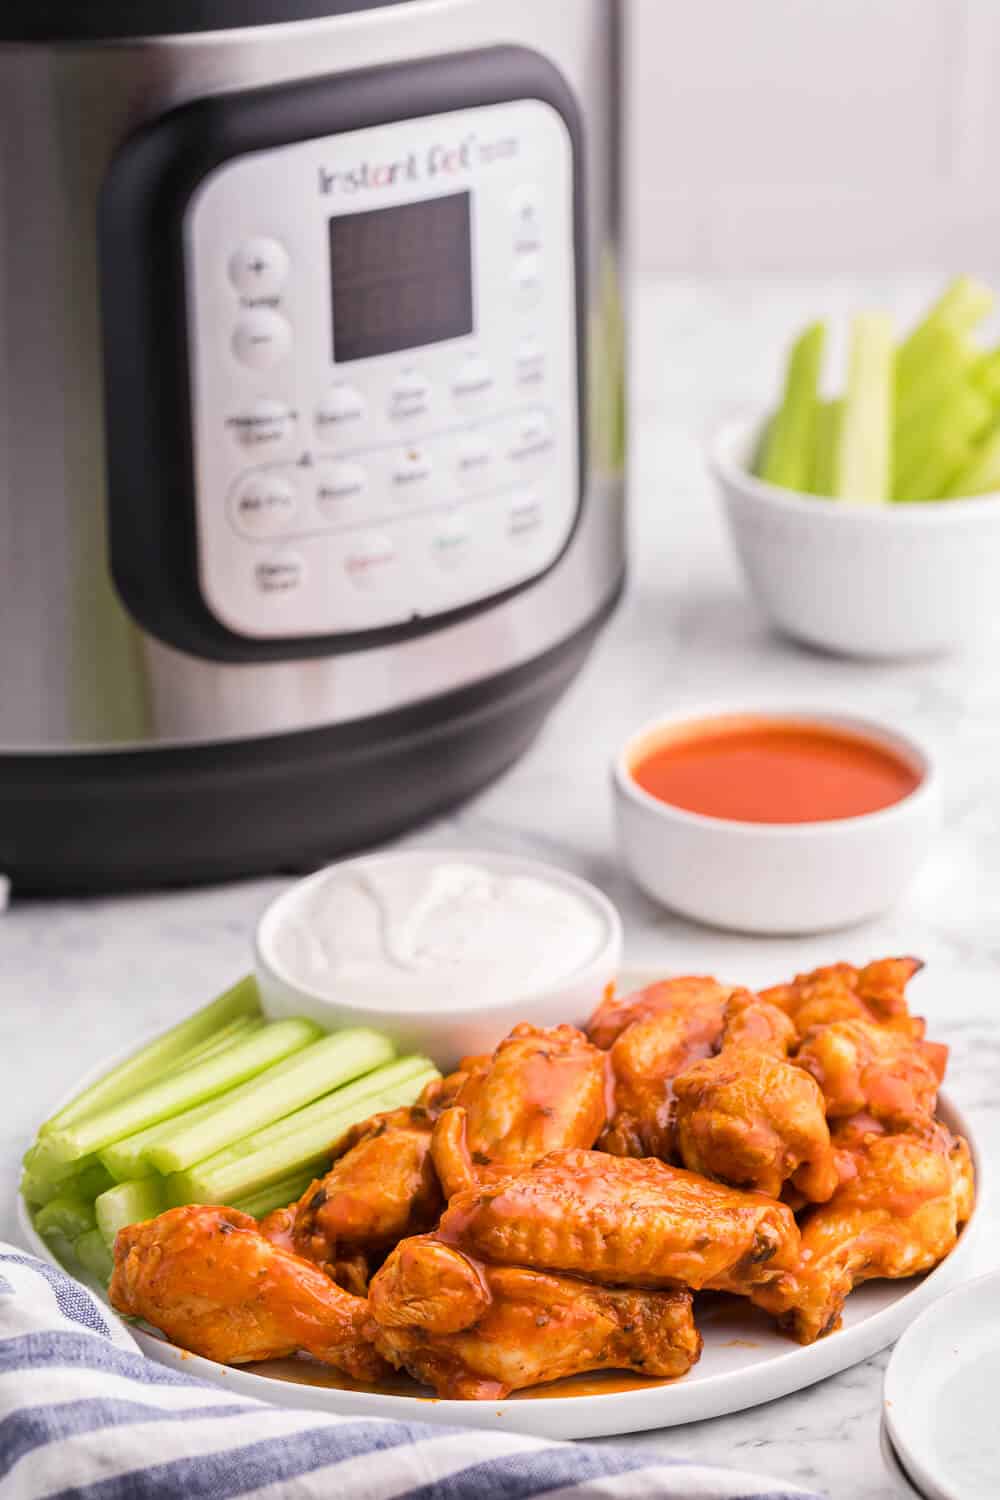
[(815, 135)]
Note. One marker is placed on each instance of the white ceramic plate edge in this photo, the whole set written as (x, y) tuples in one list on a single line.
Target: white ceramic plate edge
[(607, 1415)]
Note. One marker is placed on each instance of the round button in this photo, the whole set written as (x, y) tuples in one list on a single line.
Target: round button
[(474, 460), (340, 483), (532, 439), (524, 517), (342, 407), (411, 469), (265, 424), (259, 267), (264, 505), (410, 395), (473, 379), (450, 541), (369, 559), (280, 575), (529, 363), (262, 339), (528, 277), (526, 210)]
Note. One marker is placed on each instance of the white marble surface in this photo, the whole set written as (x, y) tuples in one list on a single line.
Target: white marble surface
[(79, 979)]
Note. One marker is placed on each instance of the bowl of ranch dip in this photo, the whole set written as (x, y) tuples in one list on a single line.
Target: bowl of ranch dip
[(445, 951)]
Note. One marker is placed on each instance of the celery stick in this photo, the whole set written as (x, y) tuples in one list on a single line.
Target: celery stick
[(68, 1217), (146, 1065), (129, 1158), (824, 476), (302, 1141), (864, 445), (981, 475), (930, 444), (47, 1164), (940, 359), (311, 1073), (63, 1249), (986, 374), (963, 305), (94, 1256), (237, 1030), (788, 450), (279, 1195), (933, 472), (128, 1203), (37, 1187), (172, 1095)]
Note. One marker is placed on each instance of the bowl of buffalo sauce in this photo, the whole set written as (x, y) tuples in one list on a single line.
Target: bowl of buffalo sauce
[(780, 821)]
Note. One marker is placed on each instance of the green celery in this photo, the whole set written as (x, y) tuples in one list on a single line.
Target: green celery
[(172, 1095), (65, 1217), (986, 374), (981, 475), (94, 1256), (787, 458), (933, 472), (147, 1065), (302, 1141), (38, 1190), (961, 417), (824, 475), (279, 1195), (128, 1203), (963, 305), (129, 1158), (290, 1085), (940, 360), (863, 464)]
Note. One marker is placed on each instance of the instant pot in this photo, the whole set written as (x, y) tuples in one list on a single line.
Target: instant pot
[(311, 429)]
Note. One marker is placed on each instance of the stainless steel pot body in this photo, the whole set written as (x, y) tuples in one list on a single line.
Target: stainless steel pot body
[(76, 673)]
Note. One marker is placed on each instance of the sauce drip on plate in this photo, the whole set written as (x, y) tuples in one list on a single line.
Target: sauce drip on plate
[(751, 770)]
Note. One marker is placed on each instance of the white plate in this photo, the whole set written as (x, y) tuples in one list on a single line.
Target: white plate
[(901, 1483), (941, 1395), (745, 1362)]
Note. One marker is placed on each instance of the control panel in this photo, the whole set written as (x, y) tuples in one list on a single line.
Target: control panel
[(384, 379)]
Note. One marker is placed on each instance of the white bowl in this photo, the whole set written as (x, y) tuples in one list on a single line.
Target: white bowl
[(880, 581), (940, 1398), (780, 879), (447, 1028)]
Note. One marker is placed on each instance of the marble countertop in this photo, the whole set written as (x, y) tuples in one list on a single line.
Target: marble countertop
[(79, 979)]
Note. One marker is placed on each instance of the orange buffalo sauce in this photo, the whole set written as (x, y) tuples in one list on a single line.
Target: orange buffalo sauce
[(773, 771)]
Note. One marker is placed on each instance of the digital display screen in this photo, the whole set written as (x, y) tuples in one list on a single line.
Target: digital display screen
[(401, 277)]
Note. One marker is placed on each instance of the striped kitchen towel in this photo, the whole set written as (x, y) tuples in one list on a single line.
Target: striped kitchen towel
[(84, 1416)]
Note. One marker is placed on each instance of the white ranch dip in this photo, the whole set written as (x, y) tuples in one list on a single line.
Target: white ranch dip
[(416, 932)]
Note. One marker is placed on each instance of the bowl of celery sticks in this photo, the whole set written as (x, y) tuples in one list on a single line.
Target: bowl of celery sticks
[(867, 519), (225, 1108)]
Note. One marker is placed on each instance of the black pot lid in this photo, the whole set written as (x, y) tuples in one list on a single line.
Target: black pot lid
[(105, 20)]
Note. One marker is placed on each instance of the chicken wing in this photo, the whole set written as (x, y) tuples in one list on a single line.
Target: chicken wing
[(478, 1332), (897, 1215), (842, 993), (625, 1222), (543, 1090), (381, 1188), (861, 1066), (751, 1118), (652, 1037), (211, 1282)]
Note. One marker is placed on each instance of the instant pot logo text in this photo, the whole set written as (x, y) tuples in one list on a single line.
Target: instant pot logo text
[(438, 161)]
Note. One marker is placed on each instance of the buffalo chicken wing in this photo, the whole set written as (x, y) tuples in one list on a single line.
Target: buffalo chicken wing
[(477, 1331), (210, 1281), (625, 1222), (751, 1118), (543, 1090), (652, 1037)]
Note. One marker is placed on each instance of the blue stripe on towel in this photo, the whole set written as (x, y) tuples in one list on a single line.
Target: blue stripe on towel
[(60, 1348), (519, 1476), (34, 1427), (72, 1300), (238, 1471)]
